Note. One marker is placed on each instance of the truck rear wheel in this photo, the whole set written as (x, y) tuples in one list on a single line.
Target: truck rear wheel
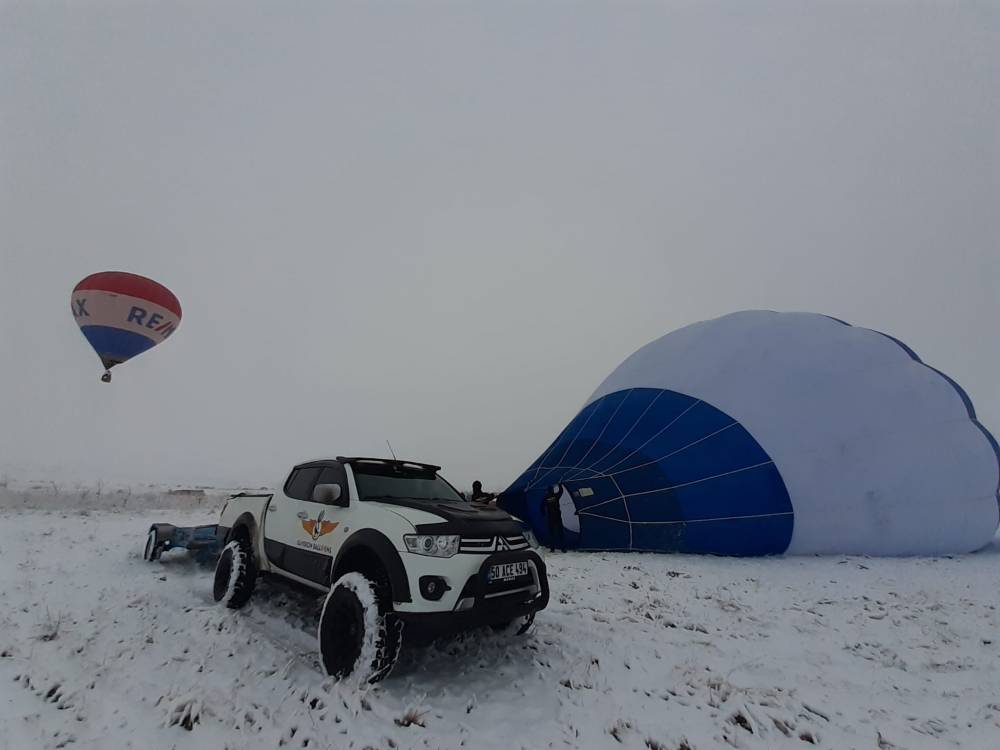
[(235, 575), (359, 635)]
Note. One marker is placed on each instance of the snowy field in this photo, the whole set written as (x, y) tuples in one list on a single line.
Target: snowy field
[(101, 650)]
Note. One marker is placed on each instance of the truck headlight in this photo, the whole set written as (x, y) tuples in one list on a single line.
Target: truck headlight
[(433, 545), (532, 540)]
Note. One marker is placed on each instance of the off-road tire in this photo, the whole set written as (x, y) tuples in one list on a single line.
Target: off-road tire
[(152, 550), (235, 574), (517, 626), (359, 634)]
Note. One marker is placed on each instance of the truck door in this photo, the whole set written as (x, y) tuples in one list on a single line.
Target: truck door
[(301, 536)]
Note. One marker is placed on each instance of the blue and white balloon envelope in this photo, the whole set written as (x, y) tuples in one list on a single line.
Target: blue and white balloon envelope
[(765, 433)]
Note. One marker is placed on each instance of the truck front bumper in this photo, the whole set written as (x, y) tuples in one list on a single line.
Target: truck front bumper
[(485, 602)]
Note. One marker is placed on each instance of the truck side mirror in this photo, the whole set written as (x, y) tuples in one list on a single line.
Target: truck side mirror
[(329, 494)]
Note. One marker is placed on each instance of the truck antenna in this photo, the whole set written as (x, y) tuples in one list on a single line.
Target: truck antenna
[(391, 451)]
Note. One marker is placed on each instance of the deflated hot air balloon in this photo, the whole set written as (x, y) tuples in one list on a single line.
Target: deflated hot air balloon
[(764, 433), (123, 315)]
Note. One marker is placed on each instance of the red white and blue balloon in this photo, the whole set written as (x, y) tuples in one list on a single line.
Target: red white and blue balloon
[(123, 314)]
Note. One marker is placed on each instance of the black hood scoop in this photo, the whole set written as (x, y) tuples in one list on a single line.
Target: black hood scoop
[(457, 517)]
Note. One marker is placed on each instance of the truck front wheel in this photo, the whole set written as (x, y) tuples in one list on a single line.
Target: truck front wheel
[(235, 575), (359, 635)]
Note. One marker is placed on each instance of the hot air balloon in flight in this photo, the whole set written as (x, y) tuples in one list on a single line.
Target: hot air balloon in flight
[(123, 314), (765, 433)]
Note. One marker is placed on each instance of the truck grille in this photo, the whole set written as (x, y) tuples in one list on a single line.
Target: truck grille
[(485, 545)]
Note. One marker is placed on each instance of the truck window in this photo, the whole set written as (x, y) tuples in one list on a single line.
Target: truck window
[(301, 482), (382, 483), (334, 475)]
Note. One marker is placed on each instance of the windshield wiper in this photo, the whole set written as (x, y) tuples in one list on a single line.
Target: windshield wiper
[(420, 499)]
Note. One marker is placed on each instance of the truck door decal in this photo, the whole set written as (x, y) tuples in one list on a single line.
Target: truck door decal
[(317, 527)]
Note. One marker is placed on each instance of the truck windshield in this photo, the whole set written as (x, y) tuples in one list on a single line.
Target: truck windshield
[(385, 486)]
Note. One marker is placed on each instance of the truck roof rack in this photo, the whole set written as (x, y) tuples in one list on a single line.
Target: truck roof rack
[(389, 462)]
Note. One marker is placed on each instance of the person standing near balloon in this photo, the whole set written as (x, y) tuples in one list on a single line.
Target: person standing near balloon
[(479, 495), (123, 314), (553, 517)]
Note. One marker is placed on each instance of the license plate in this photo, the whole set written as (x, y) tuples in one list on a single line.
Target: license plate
[(508, 571)]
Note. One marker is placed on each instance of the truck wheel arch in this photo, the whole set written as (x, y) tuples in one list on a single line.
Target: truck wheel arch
[(379, 546), (245, 524)]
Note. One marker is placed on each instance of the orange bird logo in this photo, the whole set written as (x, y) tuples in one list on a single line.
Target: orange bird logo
[(318, 527)]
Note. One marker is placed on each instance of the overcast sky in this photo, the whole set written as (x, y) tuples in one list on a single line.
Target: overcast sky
[(445, 224)]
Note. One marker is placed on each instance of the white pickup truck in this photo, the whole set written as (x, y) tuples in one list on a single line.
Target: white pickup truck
[(394, 545)]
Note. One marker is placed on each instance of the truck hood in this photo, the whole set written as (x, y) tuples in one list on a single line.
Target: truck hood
[(453, 517), (411, 515)]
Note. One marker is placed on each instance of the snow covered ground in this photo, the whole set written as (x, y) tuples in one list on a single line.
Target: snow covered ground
[(99, 649)]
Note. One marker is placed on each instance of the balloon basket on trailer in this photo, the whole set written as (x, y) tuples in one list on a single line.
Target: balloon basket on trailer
[(202, 541)]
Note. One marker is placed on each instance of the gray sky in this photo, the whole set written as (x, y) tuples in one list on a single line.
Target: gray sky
[(445, 224)]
